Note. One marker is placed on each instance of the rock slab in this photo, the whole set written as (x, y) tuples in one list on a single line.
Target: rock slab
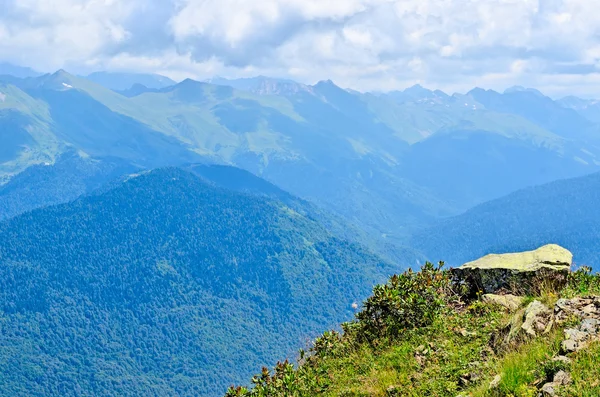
[(519, 273)]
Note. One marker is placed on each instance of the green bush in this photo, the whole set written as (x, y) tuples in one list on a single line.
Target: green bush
[(582, 282), (409, 300)]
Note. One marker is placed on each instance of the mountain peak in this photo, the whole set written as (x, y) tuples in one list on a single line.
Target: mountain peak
[(518, 88), (326, 83), (59, 80), (479, 90)]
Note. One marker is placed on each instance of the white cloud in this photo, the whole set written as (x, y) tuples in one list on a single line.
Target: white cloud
[(364, 44)]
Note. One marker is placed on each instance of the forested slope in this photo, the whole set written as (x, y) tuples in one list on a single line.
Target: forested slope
[(166, 284)]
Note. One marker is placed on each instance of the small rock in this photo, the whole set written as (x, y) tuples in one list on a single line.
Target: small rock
[(495, 382), (562, 359), (590, 326), (576, 335), (562, 378), (562, 305), (589, 309), (509, 302), (535, 313), (548, 390), (569, 346)]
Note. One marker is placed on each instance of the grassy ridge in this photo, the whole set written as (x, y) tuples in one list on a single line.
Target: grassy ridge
[(399, 346)]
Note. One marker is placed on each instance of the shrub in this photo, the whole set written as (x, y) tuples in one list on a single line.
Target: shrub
[(409, 300), (582, 282)]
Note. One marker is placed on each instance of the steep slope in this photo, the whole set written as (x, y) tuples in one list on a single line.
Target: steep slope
[(563, 212), (418, 336), (166, 285)]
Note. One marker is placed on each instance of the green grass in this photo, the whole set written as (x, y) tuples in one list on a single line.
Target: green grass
[(585, 371)]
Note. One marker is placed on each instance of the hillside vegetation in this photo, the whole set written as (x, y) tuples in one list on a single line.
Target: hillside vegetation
[(166, 284), (418, 335)]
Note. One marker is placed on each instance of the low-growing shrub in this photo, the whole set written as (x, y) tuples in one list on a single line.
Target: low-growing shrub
[(582, 282), (409, 300)]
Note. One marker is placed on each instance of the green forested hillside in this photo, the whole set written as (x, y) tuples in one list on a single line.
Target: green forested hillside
[(564, 212), (166, 285)]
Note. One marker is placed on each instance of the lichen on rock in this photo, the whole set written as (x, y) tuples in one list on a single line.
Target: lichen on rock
[(517, 273)]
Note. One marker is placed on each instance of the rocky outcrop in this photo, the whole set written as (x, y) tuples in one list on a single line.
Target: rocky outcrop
[(538, 319), (585, 311), (517, 273), (534, 320)]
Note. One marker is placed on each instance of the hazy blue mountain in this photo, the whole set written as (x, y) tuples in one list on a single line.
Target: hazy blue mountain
[(382, 164), (17, 71), (166, 284), (564, 212), (588, 108), (468, 166), (137, 89), (417, 93), (519, 88), (68, 178), (261, 85), (536, 107), (124, 81)]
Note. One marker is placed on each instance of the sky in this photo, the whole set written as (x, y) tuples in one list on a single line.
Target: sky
[(367, 45)]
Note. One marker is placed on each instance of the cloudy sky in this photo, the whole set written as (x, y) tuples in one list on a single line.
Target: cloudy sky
[(553, 45)]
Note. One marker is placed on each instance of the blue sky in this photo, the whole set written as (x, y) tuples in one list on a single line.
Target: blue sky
[(553, 45)]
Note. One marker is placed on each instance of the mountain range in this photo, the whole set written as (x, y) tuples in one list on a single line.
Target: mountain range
[(383, 162), (167, 238)]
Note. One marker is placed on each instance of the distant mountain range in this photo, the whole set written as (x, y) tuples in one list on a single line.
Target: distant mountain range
[(385, 162)]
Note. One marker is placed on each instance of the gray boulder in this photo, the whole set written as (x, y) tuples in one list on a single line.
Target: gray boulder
[(510, 302), (537, 319), (516, 273)]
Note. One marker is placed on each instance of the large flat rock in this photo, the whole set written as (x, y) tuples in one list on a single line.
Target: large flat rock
[(517, 273)]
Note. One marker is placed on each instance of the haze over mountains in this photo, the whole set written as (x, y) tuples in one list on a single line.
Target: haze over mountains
[(383, 161), (156, 235)]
